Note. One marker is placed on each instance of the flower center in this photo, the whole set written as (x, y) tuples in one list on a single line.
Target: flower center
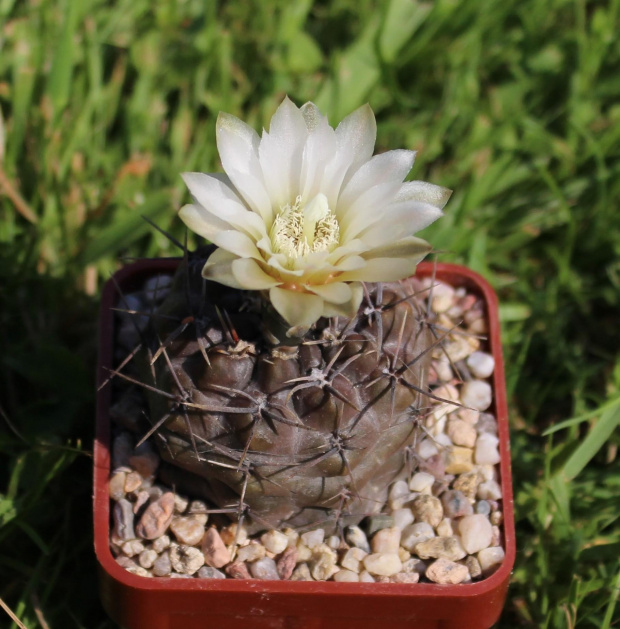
[(302, 229)]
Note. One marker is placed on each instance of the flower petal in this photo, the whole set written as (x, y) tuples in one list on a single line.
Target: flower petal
[(214, 194), (383, 270), (297, 309), (389, 167), (400, 220), (250, 275), (348, 309), (201, 222), (318, 152), (238, 144), (424, 192), (410, 247), (218, 268), (337, 292), (279, 154), (237, 243), (356, 135)]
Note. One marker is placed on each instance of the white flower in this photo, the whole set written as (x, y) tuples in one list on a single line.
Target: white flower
[(306, 212)]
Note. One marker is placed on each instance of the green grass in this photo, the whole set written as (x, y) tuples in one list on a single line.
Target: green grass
[(513, 104)]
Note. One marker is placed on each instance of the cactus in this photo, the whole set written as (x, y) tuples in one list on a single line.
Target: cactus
[(286, 370), (289, 435)]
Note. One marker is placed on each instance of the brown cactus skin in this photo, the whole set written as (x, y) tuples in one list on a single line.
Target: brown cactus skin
[(290, 435)]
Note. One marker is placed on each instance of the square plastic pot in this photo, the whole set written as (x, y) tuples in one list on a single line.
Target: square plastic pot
[(136, 602)]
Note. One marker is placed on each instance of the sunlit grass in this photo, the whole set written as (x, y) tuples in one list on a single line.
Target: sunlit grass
[(514, 105)]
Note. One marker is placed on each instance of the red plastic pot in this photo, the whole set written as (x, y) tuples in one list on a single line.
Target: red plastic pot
[(159, 603)]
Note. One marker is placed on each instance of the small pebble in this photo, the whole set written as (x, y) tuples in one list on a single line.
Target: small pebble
[(162, 566), (468, 415), (461, 433), (497, 517), (490, 559), (198, 506), (352, 559), (383, 564), (442, 297), (405, 577), (460, 460), (123, 520), (287, 562), (215, 552), (147, 558), (238, 570), (456, 504), (274, 541), (264, 569), (487, 450), (402, 518), (346, 576), (473, 565), (386, 540), (312, 539), (489, 490), (233, 534), (366, 577), (180, 503), (160, 544), (481, 364), (496, 537), (399, 489), (427, 509), (460, 347), (421, 482), (301, 573), (116, 486), (132, 548), (446, 547), (157, 517), (446, 571), (477, 394), (252, 552), (434, 465), (186, 559), (303, 552), (208, 572), (403, 554), (188, 530), (427, 449), (132, 566), (323, 565), (413, 564), (142, 497), (443, 370), (333, 541), (356, 537), (487, 424), (133, 480), (292, 535), (415, 533), (468, 484), (444, 528), (476, 533), (482, 507)]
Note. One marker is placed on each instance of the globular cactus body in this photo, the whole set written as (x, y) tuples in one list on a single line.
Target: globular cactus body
[(310, 433)]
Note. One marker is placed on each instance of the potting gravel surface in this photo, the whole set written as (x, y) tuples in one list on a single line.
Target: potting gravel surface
[(442, 525)]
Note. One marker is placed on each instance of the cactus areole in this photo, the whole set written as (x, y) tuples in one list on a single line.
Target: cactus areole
[(286, 370)]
